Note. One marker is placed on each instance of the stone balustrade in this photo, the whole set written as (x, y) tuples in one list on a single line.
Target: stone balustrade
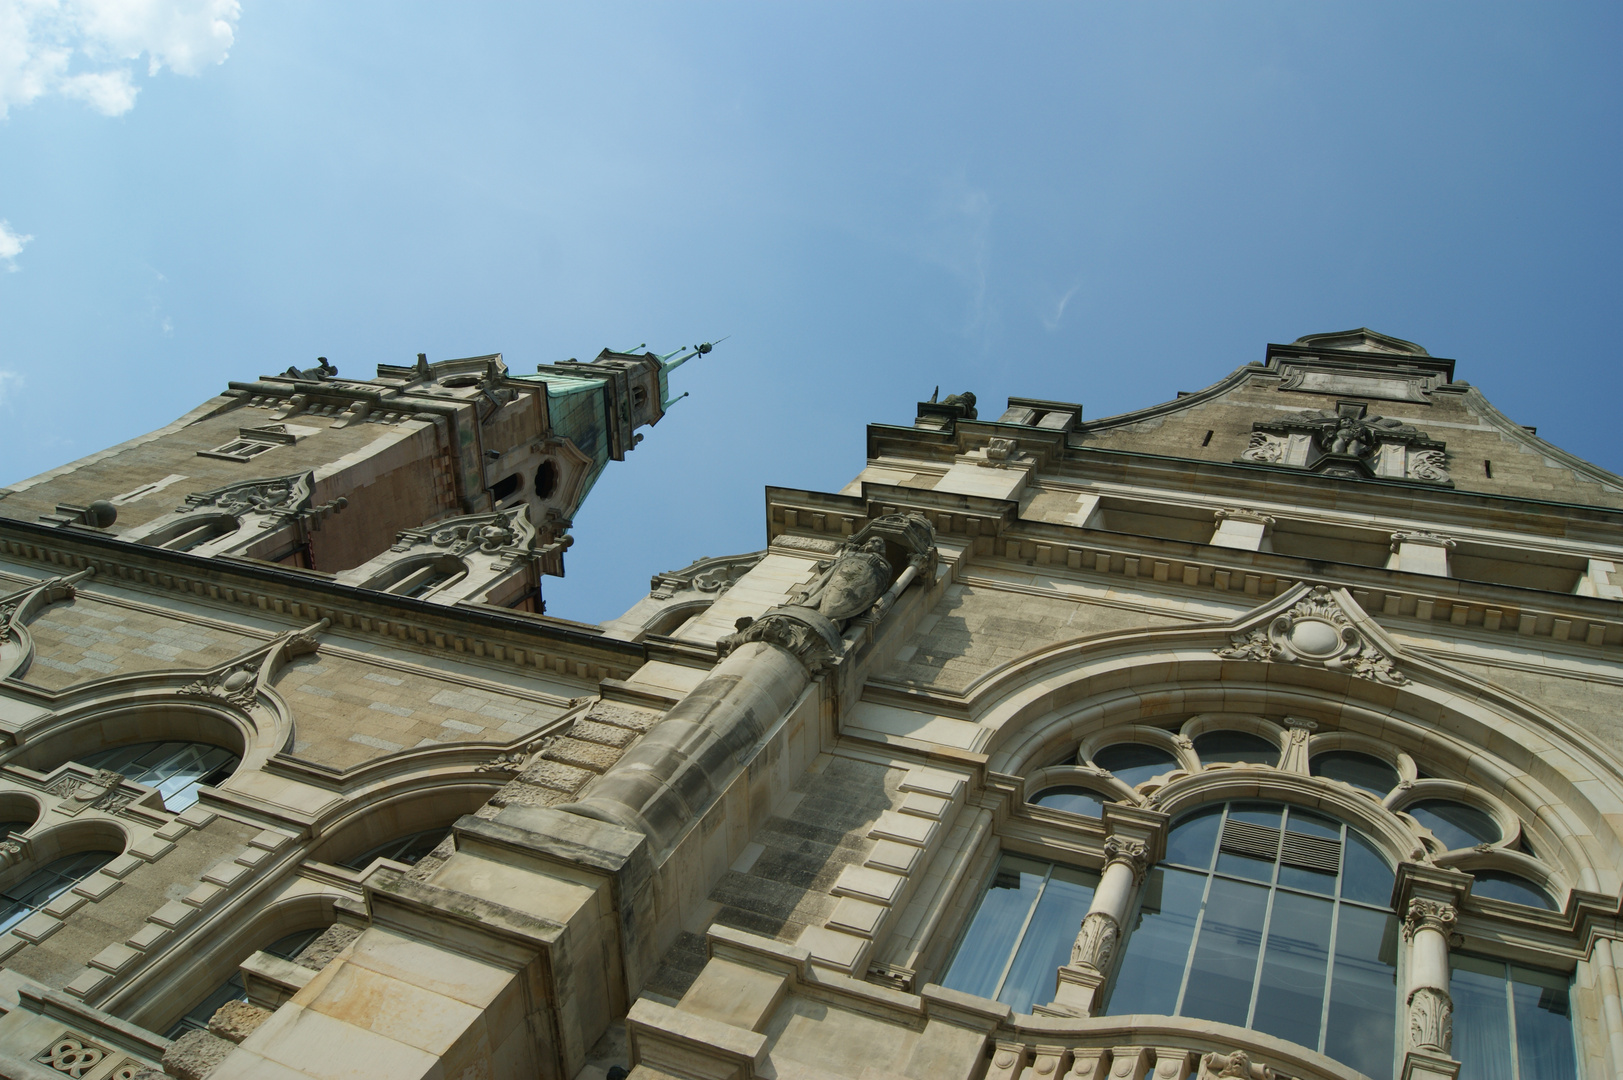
[(1149, 1048)]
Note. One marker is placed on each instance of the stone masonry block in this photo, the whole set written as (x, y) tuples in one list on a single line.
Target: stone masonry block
[(194, 1055), (867, 884), (236, 1020), (904, 829), (555, 775), (518, 793), (173, 914), (593, 732), (97, 886), (624, 716), (114, 958), (583, 755), (924, 805), (86, 982), (892, 856)]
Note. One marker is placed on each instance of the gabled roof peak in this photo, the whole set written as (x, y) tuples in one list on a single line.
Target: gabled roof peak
[(1362, 339)]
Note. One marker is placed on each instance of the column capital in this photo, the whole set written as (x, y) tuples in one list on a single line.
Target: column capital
[(1420, 881), (1132, 853), (1423, 914)]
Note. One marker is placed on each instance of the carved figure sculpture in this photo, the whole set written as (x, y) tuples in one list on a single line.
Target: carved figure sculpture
[(859, 576)]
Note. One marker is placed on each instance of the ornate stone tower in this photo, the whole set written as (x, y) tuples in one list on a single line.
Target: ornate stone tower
[(1267, 732)]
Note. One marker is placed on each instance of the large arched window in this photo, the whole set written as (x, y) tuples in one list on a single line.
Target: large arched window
[(1270, 917), (33, 891), (233, 989), (176, 769), (402, 849)]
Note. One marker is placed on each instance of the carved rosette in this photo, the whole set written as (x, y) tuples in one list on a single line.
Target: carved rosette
[(1133, 854), (1428, 915), (1431, 1020), (1096, 942), (1315, 631)]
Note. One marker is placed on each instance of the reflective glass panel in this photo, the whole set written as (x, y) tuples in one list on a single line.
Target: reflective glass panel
[(176, 769), (1074, 800), (33, 891), (1455, 824), (1362, 771), (402, 849), (1280, 924), (1235, 746), (1134, 763), (1152, 966), (1511, 1023), (1514, 888), (1022, 932)]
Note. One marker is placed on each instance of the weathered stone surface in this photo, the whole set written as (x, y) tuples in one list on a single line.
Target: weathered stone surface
[(624, 716), (333, 940), (518, 793), (195, 1055), (555, 775), (607, 735), (583, 755), (236, 1020)]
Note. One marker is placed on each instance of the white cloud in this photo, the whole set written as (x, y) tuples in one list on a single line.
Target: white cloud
[(11, 245), (84, 49), (10, 381)]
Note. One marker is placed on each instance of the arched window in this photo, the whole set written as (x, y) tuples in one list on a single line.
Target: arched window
[(1274, 918), (419, 576), (1071, 799), (198, 1017), (1022, 932), (1363, 771), (1134, 763), (33, 891), (1455, 824), (546, 479), (402, 849), (1512, 888), (176, 769), (1240, 747)]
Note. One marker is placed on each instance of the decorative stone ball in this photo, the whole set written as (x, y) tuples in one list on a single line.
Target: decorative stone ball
[(101, 514)]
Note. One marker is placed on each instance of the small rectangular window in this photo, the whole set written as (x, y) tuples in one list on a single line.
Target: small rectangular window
[(238, 450)]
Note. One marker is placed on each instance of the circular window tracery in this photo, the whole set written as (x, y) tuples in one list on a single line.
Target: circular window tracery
[(1235, 747), (1071, 798), (1363, 771), (1134, 763), (1455, 824), (1511, 888)]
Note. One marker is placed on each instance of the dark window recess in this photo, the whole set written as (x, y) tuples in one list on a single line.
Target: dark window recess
[(1207, 441), (504, 487), (1487, 468), (546, 479)]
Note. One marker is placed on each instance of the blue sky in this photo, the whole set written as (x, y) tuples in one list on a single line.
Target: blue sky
[(1085, 202)]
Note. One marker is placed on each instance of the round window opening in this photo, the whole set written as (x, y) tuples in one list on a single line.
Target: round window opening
[(1511, 888), (1363, 771), (1235, 747), (1071, 799), (1134, 763), (1455, 824), (546, 480)]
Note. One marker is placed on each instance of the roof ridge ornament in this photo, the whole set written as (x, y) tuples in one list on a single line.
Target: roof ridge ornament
[(1315, 630)]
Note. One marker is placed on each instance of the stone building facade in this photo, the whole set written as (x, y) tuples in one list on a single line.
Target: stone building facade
[(1272, 731)]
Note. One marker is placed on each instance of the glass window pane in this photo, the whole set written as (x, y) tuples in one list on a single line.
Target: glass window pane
[(1235, 746), (1513, 888), (1245, 866), (1300, 877), (39, 888), (1362, 771), (1048, 939), (995, 929), (1191, 840), (1363, 992), (1365, 877), (1308, 823), (1455, 824), (1256, 813), (293, 944), (1225, 959), (1134, 763), (1073, 800), (1157, 949), (1481, 1018), (1290, 996), (1544, 1047), (175, 769)]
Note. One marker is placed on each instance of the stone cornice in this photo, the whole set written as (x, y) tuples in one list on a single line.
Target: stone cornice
[(302, 596)]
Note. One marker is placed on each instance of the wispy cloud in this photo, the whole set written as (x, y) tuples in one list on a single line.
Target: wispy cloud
[(1051, 322), (961, 242), (11, 244), (10, 383), (86, 49)]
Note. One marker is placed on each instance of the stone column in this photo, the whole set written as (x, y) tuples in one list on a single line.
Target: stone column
[(1297, 734), (1429, 899), (1126, 860)]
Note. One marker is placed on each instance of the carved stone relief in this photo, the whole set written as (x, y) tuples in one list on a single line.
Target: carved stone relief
[(1236, 1065), (1349, 443), (71, 1055), (1134, 854), (1425, 914), (1095, 942), (1315, 631), (1431, 1020)]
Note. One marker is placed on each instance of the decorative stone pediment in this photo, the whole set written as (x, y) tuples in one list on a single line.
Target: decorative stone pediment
[(710, 576), (507, 535), (1349, 443), (277, 498), (1315, 630)]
